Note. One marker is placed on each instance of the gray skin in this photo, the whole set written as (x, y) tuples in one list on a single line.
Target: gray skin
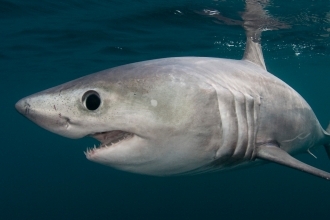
[(184, 115)]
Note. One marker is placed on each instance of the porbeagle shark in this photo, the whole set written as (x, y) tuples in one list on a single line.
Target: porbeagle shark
[(186, 115)]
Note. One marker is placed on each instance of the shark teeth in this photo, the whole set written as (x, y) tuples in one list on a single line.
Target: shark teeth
[(108, 139)]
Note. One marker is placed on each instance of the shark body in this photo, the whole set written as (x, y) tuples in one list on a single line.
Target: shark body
[(184, 115)]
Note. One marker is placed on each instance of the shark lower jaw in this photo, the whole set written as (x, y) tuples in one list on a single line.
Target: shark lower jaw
[(108, 140)]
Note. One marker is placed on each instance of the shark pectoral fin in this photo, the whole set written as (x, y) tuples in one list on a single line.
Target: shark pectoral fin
[(271, 152)]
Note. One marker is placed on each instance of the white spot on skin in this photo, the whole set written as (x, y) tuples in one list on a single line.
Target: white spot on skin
[(154, 103)]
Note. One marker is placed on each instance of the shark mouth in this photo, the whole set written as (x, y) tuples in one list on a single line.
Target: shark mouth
[(108, 139)]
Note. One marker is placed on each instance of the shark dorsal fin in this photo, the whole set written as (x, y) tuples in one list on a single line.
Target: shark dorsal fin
[(254, 20), (253, 53)]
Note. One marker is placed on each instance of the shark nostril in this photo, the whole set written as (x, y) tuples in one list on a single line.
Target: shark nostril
[(67, 120), (27, 108)]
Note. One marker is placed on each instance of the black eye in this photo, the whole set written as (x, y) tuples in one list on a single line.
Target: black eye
[(92, 100)]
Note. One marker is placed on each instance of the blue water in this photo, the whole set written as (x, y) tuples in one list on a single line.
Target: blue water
[(44, 43)]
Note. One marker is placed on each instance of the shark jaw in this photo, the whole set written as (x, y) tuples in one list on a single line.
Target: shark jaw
[(108, 140)]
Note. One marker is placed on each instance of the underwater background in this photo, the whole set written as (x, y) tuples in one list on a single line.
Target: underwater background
[(44, 43)]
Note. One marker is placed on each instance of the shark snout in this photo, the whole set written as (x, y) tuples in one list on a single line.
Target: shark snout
[(45, 112), (23, 107)]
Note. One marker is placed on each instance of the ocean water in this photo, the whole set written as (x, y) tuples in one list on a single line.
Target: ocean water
[(44, 43)]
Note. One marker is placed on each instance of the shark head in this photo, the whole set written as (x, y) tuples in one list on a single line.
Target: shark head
[(149, 118)]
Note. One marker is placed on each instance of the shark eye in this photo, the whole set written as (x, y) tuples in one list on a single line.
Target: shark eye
[(91, 100)]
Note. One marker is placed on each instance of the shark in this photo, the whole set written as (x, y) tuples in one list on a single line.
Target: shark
[(186, 115)]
